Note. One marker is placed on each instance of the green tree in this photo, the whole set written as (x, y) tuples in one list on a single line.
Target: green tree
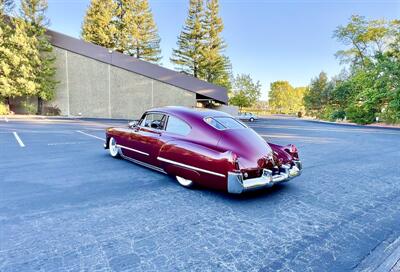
[(296, 100), (365, 38), (372, 87), (18, 56), (34, 14), (98, 25), (188, 57), (316, 96), (127, 26), (6, 85), (137, 33), (245, 91), (18, 53), (279, 96), (283, 98), (215, 65)]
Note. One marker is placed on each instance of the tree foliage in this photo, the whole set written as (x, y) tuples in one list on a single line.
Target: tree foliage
[(98, 26), (189, 55), (26, 59), (33, 13), (127, 26), (17, 54), (245, 92), (200, 47), (317, 93), (216, 65), (283, 98), (137, 33), (371, 87), (365, 39)]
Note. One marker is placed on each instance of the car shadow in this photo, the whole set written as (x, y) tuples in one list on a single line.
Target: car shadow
[(270, 193)]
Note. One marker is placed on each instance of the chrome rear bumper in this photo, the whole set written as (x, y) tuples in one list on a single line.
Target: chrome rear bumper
[(238, 185)]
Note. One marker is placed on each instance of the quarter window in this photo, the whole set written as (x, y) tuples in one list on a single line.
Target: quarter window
[(177, 126)]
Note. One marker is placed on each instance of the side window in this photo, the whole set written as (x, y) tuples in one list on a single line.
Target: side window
[(153, 120), (177, 126)]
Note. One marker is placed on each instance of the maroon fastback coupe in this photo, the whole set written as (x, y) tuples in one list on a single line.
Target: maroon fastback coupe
[(204, 147)]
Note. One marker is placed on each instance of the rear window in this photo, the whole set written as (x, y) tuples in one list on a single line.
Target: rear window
[(224, 123)]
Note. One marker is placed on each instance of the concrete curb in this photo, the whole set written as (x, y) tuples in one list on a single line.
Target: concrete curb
[(351, 124), (384, 258), (42, 117), (392, 262)]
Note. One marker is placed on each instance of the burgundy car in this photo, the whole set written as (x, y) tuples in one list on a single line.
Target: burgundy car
[(204, 147)]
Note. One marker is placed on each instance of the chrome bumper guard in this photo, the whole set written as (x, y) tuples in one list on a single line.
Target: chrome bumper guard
[(238, 185)]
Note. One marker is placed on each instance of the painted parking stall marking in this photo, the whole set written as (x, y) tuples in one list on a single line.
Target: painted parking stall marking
[(18, 139), (90, 135)]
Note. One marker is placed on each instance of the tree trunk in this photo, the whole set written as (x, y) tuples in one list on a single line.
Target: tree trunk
[(138, 53), (7, 100), (195, 70), (39, 106)]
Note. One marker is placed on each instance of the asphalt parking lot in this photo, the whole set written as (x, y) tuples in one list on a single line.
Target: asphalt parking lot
[(65, 205)]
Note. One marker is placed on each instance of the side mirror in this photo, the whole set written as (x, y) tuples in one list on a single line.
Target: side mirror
[(133, 123)]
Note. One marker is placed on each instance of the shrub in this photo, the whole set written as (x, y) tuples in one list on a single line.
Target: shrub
[(338, 115), (360, 115), (4, 109)]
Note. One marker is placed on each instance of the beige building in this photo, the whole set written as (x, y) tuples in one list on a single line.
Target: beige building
[(96, 82)]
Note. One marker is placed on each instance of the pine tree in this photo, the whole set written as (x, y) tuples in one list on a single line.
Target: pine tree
[(189, 56), (34, 14), (144, 38), (99, 26), (216, 65), (136, 30)]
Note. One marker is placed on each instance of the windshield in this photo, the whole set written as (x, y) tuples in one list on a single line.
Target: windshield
[(222, 123)]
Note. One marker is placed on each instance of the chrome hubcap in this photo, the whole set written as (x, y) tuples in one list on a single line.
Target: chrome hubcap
[(184, 182), (113, 147)]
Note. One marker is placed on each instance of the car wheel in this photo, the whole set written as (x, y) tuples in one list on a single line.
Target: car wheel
[(113, 148), (251, 119), (187, 183)]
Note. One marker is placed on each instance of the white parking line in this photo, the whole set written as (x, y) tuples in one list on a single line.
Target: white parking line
[(90, 135), (18, 139)]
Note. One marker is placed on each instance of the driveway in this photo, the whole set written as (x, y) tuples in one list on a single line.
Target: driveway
[(66, 205)]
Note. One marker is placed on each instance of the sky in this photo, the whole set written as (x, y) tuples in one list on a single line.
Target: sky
[(268, 39)]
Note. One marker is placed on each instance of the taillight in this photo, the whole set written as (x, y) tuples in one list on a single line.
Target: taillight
[(293, 149), (235, 161)]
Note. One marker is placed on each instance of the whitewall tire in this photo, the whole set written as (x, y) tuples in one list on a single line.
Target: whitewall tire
[(113, 148), (187, 183)]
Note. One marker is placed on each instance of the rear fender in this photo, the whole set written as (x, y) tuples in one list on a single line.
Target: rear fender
[(201, 164)]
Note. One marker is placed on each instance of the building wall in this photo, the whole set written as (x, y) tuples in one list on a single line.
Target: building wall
[(90, 88)]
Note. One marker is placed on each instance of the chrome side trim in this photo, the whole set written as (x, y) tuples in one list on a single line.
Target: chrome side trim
[(143, 164), (191, 167), (134, 150)]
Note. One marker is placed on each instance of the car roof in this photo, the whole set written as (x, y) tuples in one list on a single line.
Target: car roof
[(185, 112)]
